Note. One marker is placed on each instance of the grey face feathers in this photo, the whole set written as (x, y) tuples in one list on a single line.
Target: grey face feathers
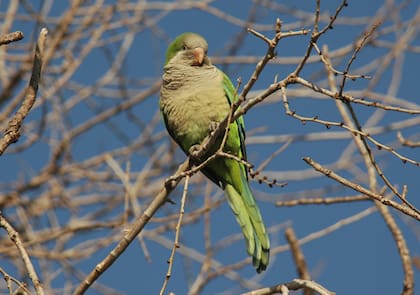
[(189, 49)]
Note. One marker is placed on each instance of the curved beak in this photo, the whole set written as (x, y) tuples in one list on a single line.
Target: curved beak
[(199, 55)]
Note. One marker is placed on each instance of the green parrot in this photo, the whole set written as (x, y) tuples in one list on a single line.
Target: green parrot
[(193, 97)]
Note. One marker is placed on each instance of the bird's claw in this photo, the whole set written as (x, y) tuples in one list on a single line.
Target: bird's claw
[(194, 151), (213, 126)]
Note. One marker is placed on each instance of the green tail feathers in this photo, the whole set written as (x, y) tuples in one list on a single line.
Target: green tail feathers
[(249, 218)]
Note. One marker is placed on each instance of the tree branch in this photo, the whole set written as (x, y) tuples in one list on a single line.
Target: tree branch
[(12, 132)]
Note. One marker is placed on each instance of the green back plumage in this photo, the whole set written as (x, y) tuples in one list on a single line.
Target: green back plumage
[(232, 97)]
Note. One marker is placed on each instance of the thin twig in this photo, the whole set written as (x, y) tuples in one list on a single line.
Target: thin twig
[(177, 231), (14, 237), (298, 257), (357, 187), (296, 284), (328, 124), (407, 142), (403, 251), (323, 201), (11, 37), (137, 227)]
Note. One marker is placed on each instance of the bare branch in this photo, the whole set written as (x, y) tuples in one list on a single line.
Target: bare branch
[(14, 237), (11, 37), (359, 188), (12, 133)]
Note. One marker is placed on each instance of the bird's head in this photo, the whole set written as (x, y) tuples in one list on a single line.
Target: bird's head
[(188, 49)]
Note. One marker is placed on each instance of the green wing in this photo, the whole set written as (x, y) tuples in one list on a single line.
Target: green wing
[(232, 97), (239, 194)]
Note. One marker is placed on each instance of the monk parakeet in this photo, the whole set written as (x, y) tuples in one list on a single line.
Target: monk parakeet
[(194, 96)]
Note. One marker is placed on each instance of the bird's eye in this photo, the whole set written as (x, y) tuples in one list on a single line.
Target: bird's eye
[(184, 47)]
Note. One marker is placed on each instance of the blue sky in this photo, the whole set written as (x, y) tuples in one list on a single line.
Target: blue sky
[(358, 258)]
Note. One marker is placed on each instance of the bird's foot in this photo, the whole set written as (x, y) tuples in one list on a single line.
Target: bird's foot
[(213, 127), (194, 151)]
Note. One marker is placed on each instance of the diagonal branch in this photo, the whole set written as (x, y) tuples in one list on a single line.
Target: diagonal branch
[(14, 237), (12, 132), (131, 234), (357, 187)]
